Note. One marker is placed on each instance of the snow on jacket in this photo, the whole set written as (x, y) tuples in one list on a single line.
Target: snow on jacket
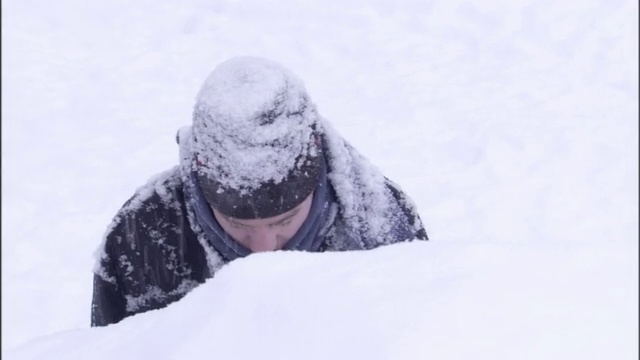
[(154, 251)]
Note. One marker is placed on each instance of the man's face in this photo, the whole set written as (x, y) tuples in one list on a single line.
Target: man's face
[(266, 234)]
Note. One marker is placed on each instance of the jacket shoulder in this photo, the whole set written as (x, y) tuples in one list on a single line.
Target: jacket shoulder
[(149, 251), (164, 189), (373, 210), (160, 199)]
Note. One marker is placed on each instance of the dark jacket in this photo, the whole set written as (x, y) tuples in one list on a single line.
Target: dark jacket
[(154, 252)]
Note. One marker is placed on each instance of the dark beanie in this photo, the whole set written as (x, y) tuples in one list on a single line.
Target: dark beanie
[(256, 149)]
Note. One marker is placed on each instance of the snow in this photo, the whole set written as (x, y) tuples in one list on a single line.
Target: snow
[(442, 299), (513, 126), (239, 95)]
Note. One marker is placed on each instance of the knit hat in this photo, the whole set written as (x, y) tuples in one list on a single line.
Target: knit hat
[(256, 151)]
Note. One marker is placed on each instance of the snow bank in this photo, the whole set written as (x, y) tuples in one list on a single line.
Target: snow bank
[(433, 300)]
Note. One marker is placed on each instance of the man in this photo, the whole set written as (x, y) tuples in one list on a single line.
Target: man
[(259, 170)]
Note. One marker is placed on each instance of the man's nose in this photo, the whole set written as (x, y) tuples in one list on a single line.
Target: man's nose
[(264, 239)]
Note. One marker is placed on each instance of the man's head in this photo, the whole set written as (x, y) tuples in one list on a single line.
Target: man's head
[(257, 153)]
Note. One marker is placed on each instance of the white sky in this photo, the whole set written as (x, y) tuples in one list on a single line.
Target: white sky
[(513, 125)]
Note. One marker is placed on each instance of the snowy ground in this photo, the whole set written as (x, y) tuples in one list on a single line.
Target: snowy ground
[(512, 124)]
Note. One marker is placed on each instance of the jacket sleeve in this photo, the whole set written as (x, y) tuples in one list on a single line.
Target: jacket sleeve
[(409, 212), (108, 305)]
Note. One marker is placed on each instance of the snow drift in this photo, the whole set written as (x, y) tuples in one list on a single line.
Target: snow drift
[(435, 300)]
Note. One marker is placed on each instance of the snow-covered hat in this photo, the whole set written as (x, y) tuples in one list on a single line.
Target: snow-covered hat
[(256, 151)]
